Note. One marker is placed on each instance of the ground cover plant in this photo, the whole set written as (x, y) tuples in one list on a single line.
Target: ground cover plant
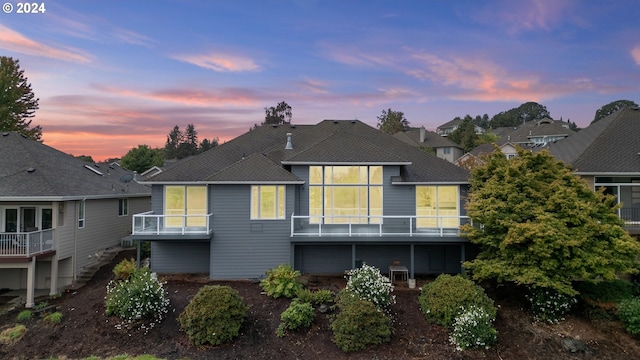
[(282, 281)]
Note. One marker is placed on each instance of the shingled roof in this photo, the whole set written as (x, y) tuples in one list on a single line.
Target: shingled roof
[(610, 145), (30, 170), (260, 156)]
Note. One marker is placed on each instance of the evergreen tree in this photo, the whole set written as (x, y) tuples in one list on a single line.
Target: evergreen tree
[(391, 122), (17, 101), (279, 115)]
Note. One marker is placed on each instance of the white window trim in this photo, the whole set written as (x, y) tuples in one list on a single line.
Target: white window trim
[(284, 214)]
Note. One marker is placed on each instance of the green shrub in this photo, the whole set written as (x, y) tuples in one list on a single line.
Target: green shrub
[(124, 269), (139, 298), (298, 315), (473, 328), (24, 315), (214, 315), (443, 299), (282, 281), (548, 305), (605, 291), (305, 296), (369, 284), (359, 323), (41, 305), (54, 318), (323, 296), (629, 314)]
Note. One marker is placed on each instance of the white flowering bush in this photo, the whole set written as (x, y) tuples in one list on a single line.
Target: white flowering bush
[(548, 305), (138, 299), (473, 328), (369, 284)]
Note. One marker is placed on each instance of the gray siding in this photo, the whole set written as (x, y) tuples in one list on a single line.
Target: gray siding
[(157, 199), (322, 259), (243, 248), (179, 257)]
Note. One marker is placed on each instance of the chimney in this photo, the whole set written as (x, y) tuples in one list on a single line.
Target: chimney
[(422, 134), (289, 145)]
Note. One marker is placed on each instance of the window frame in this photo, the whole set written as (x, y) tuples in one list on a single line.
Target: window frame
[(184, 209), (424, 223), (123, 207), (82, 214), (257, 206)]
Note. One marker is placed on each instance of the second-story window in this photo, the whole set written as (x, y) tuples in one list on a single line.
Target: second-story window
[(267, 202), (123, 207), (81, 214), (345, 194), (437, 206), (185, 205)]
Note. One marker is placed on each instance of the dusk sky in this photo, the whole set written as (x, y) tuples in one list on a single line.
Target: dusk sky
[(111, 75)]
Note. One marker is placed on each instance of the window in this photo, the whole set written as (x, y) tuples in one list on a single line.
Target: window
[(185, 206), (123, 207), (46, 218), (438, 205), (446, 150), (267, 202), (345, 194), (81, 214)]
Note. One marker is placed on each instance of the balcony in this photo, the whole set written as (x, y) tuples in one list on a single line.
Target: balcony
[(371, 226), (149, 226), (26, 244)]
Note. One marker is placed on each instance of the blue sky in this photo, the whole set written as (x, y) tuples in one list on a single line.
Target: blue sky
[(111, 75)]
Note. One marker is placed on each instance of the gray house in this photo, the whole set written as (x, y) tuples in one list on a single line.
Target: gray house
[(607, 154), (323, 198), (58, 213), (443, 147)]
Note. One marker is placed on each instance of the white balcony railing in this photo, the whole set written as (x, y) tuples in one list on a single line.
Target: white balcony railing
[(149, 223), (26, 244), (385, 225)]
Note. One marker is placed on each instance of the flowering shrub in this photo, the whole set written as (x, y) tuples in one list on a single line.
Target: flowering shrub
[(282, 281), (472, 328), (359, 323), (214, 315), (141, 297), (548, 305), (629, 314), (369, 284), (297, 315), (443, 299)]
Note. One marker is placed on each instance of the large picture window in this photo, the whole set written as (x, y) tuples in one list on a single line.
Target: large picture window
[(267, 202), (182, 200), (345, 194), (438, 205)]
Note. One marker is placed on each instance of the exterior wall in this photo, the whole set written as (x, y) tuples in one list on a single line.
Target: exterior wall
[(452, 156), (242, 248), (179, 257)]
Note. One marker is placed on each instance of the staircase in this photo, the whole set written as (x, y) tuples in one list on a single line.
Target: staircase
[(104, 257)]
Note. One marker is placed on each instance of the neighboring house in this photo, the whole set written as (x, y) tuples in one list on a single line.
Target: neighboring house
[(607, 154), (443, 147), (536, 133), (451, 126), (323, 198), (57, 212), (474, 157)]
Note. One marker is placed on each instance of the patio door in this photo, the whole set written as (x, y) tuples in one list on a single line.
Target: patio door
[(28, 219)]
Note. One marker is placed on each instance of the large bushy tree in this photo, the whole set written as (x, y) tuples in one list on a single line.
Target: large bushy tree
[(143, 158), (543, 226), (517, 116), (17, 101), (391, 122), (612, 107), (465, 135)]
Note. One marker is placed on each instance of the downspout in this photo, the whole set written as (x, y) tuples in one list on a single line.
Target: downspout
[(75, 241)]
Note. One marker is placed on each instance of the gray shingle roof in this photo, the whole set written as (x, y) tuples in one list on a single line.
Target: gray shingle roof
[(610, 145), (431, 139), (534, 128), (31, 169), (330, 141)]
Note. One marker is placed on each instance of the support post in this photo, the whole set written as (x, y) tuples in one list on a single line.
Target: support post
[(53, 290), (31, 283)]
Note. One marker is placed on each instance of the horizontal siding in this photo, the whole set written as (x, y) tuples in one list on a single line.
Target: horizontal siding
[(243, 248), (179, 257)]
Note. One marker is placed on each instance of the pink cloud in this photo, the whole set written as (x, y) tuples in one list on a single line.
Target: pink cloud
[(220, 62), (635, 53), (531, 15), (14, 41)]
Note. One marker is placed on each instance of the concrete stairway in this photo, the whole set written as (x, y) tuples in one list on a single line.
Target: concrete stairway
[(102, 258)]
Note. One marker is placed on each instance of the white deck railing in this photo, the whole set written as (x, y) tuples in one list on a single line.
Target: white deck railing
[(26, 243), (149, 223), (385, 225)]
